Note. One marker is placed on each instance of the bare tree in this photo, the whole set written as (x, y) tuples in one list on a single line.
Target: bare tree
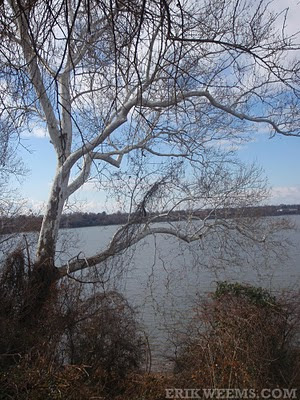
[(11, 169), (168, 83)]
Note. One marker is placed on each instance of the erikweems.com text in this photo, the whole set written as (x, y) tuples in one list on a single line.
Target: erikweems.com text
[(232, 393)]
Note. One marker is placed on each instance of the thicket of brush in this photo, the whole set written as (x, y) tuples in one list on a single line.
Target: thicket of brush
[(61, 343), (58, 342), (243, 337)]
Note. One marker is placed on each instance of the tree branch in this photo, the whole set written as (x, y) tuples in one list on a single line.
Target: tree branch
[(37, 79), (122, 241), (82, 177), (199, 93)]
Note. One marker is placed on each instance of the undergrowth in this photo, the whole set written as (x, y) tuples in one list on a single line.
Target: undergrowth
[(60, 341)]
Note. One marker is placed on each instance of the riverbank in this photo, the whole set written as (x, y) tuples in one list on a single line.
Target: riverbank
[(240, 337), (32, 223)]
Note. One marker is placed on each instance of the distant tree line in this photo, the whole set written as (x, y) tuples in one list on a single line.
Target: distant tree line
[(27, 223)]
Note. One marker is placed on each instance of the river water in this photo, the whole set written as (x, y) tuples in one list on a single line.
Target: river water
[(163, 278)]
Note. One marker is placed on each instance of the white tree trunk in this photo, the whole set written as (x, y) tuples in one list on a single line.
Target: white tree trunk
[(46, 247)]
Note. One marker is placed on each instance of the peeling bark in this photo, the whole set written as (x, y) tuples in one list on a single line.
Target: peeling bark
[(45, 254)]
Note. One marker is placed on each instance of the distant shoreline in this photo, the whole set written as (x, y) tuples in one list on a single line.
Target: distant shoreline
[(32, 223)]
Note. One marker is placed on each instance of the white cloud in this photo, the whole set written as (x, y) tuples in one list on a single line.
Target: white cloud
[(92, 206), (285, 195), (293, 8), (89, 199), (89, 186), (35, 130), (35, 206)]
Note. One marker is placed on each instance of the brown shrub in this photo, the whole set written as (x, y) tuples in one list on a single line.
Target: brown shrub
[(64, 342), (101, 333), (82, 344), (242, 338)]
